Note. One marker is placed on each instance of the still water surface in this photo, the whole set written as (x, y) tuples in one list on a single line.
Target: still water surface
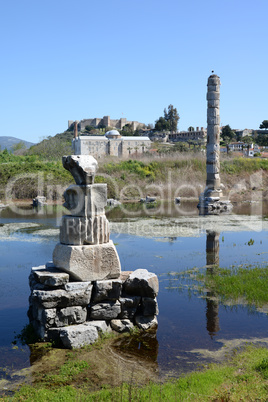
[(164, 245)]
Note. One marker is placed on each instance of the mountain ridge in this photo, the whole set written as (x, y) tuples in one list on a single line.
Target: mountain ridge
[(7, 142)]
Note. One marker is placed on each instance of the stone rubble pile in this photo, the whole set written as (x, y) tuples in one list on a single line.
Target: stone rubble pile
[(83, 291), (75, 312)]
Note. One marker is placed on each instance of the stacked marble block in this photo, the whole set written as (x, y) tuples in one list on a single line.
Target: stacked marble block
[(83, 291), (85, 249), (73, 313), (212, 201)]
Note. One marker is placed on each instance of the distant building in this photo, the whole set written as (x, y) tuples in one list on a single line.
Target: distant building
[(195, 135), (237, 146), (241, 148), (112, 143), (105, 121), (243, 133)]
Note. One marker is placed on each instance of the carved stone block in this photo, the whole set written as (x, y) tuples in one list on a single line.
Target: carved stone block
[(88, 263), (79, 231), (213, 103), (86, 200), (213, 96)]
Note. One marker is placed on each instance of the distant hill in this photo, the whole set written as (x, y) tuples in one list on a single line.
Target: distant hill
[(8, 142)]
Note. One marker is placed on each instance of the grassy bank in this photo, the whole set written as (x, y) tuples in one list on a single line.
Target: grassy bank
[(243, 378), (236, 284), (181, 174)]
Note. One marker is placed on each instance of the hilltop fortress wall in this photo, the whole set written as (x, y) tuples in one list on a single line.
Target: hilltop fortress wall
[(106, 121)]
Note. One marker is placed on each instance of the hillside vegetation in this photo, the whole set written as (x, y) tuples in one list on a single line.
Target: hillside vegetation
[(52, 148), (20, 177), (179, 174)]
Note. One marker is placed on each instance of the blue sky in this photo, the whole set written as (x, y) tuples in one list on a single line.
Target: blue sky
[(68, 60)]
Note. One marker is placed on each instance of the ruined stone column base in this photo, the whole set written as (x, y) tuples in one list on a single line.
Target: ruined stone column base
[(213, 205), (88, 263), (72, 313)]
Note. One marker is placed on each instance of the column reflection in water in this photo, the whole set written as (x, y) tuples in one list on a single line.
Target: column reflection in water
[(212, 310)]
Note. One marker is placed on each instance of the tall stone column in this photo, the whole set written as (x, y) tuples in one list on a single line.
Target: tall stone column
[(213, 137), (212, 201)]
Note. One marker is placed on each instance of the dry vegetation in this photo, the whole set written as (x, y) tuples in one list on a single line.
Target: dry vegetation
[(179, 174), (182, 174)]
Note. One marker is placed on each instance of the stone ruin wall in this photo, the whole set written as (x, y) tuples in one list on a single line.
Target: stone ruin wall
[(107, 122), (74, 313)]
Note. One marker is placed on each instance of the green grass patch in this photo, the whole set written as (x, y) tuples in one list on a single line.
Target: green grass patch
[(132, 166), (67, 373), (244, 378), (248, 284), (240, 165)]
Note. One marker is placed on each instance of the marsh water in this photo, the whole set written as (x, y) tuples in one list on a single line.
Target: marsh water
[(167, 241)]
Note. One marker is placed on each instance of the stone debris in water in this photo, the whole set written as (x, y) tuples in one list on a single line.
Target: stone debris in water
[(59, 307)]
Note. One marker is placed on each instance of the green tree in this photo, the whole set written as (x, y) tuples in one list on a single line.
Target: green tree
[(264, 124), (161, 124), (172, 117), (89, 128), (191, 128), (170, 120), (181, 147), (262, 140), (228, 134), (18, 148), (127, 130), (248, 139)]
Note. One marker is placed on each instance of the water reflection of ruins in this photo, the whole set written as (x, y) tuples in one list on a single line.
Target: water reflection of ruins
[(212, 311)]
